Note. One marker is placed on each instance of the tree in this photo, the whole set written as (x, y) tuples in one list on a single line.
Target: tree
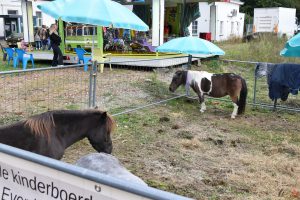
[(249, 5)]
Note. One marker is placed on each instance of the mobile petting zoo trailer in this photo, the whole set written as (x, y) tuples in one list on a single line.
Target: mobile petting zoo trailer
[(275, 20)]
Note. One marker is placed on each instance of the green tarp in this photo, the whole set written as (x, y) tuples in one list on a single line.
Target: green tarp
[(143, 12), (190, 12)]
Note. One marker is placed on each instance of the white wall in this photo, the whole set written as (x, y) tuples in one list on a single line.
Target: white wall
[(287, 21), (47, 20), (6, 5), (241, 18), (9, 5), (203, 21), (211, 19), (266, 19), (232, 26), (158, 14)]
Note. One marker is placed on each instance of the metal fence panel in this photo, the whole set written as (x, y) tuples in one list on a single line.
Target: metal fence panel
[(129, 86), (258, 95), (23, 93)]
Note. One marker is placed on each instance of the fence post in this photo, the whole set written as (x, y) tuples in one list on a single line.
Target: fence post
[(95, 64), (91, 85), (254, 89), (254, 93)]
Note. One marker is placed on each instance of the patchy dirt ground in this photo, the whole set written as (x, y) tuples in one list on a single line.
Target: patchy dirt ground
[(209, 156), (206, 156), (173, 146)]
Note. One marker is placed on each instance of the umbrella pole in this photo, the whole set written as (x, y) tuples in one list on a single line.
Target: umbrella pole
[(93, 44), (61, 34), (100, 45), (190, 61)]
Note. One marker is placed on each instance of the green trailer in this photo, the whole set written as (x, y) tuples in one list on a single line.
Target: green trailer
[(80, 36)]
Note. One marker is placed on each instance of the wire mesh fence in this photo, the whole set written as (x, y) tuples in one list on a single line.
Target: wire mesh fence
[(133, 83), (261, 97), (23, 93), (258, 92), (130, 84)]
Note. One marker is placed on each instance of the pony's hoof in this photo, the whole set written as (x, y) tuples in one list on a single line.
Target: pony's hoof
[(202, 111), (232, 116)]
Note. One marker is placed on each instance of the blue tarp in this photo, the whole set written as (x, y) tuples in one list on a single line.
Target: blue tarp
[(284, 79)]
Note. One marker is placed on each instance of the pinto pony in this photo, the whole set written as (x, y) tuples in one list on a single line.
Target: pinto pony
[(50, 133), (214, 85)]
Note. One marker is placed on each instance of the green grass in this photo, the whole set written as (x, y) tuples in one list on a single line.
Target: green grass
[(72, 107), (265, 49), (133, 126), (155, 87), (5, 67)]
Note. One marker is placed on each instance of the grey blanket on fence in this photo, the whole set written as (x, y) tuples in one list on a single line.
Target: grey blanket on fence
[(109, 165)]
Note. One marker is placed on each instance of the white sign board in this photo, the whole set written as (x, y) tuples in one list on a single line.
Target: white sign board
[(24, 180)]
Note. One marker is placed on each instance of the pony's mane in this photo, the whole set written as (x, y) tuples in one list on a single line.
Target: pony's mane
[(41, 125), (110, 123)]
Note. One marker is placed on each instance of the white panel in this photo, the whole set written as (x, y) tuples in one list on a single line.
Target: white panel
[(33, 181), (1, 27), (27, 21), (158, 14), (161, 21), (155, 23)]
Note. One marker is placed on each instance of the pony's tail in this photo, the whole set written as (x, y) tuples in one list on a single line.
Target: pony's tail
[(243, 97)]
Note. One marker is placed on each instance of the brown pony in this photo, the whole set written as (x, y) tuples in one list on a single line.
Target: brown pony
[(50, 133), (214, 85)]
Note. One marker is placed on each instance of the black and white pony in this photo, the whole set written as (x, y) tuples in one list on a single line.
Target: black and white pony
[(214, 85)]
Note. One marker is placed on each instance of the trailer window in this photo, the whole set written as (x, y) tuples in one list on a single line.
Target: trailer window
[(79, 31), (88, 30), (71, 31)]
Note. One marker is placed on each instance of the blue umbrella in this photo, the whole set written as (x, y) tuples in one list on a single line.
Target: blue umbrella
[(190, 45), (96, 12), (292, 47)]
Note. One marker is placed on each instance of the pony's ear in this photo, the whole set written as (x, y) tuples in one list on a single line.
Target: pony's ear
[(179, 72), (104, 115)]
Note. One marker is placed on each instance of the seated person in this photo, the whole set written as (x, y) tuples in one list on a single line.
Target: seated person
[(25, 46)]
